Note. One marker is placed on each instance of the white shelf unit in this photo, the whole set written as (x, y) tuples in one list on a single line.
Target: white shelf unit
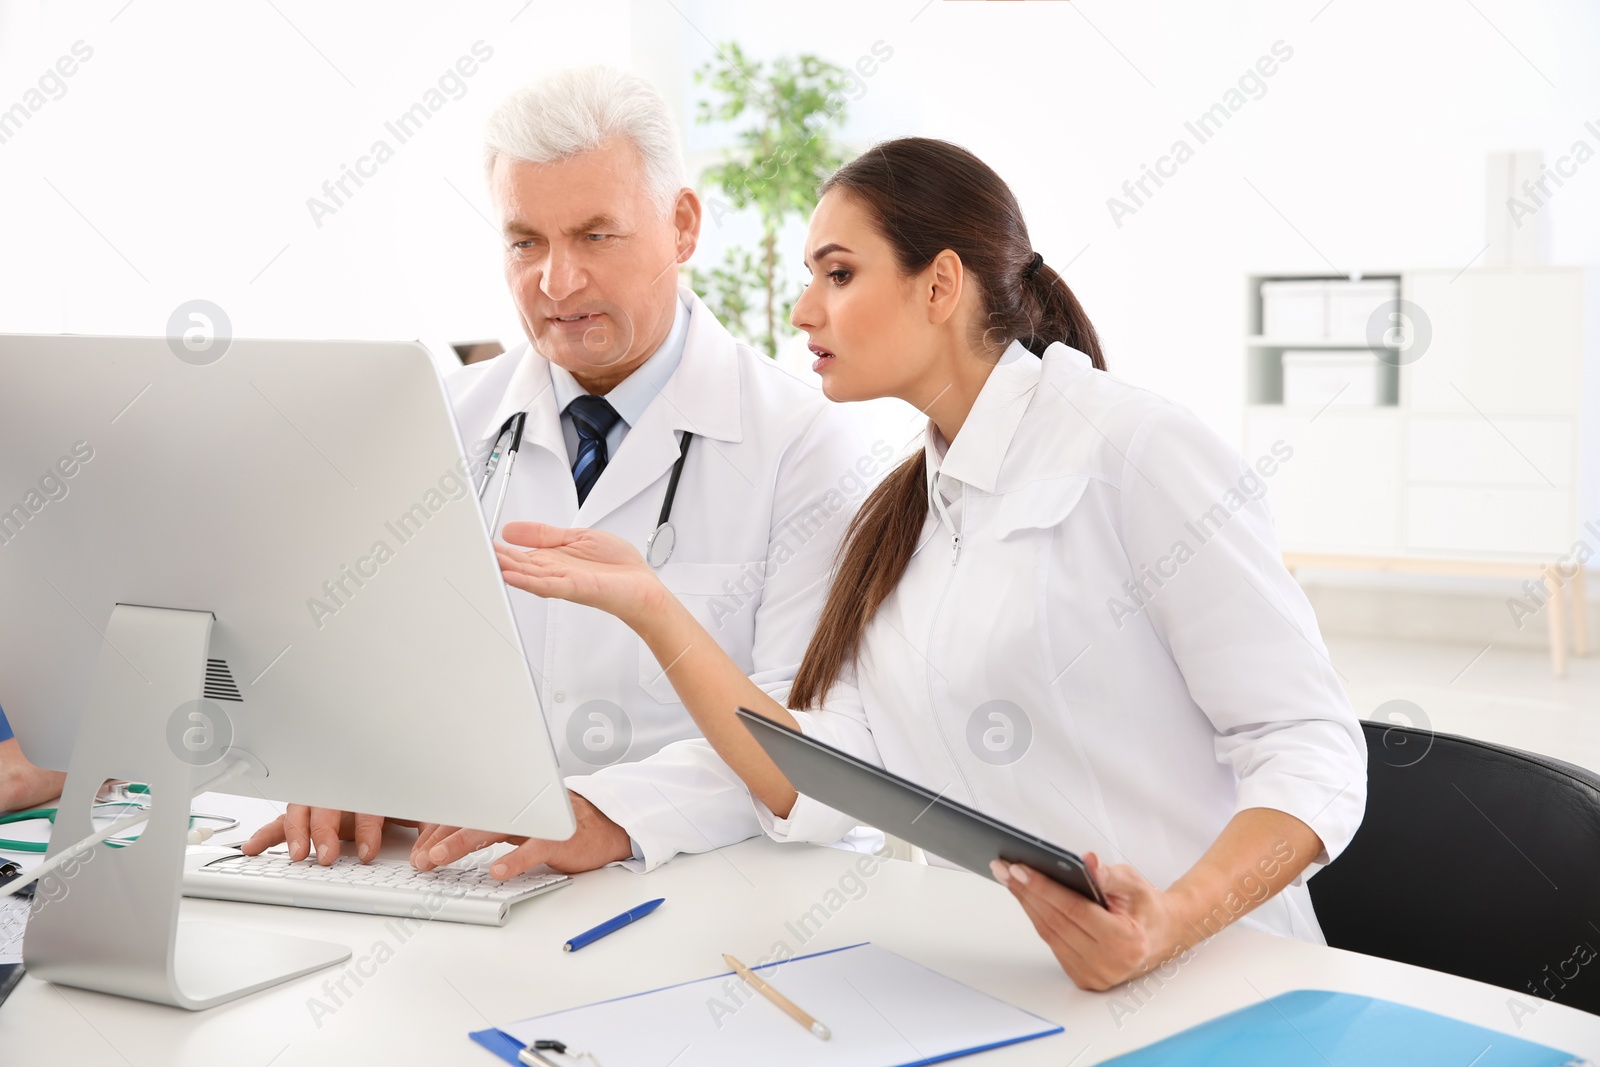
[(1264, 354), (1481, 457)]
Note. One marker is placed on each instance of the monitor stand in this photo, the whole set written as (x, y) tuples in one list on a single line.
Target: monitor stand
[(109, 921)]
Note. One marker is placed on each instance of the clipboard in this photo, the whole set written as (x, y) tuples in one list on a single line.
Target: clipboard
[(948, 829), (10, 975), (884, 1011), (11, 972)]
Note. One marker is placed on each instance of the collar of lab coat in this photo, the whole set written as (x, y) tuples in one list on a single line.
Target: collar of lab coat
[(702, 396), (974, 457), (635, 393)]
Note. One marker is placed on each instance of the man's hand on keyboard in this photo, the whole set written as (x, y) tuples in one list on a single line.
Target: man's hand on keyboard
[(596, 842), (304, 828)]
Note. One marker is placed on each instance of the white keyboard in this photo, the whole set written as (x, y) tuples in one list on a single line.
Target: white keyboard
[(382, 887)]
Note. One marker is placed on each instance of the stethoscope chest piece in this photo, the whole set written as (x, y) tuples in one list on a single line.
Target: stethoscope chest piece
[(658, 549)]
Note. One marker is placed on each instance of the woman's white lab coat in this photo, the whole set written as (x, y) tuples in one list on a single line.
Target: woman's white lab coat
[(1115, 659)]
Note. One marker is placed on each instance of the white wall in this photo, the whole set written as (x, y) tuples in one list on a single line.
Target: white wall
[(1370, 140), (193, 137)]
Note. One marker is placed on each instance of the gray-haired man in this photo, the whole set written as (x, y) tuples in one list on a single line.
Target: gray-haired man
[(585, 171)]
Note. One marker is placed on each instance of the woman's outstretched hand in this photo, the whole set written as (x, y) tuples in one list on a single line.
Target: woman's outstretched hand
[(588, 567), (606, 572)]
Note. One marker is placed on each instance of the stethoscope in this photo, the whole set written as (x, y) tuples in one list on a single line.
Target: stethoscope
[(657, 547), (134, 795)]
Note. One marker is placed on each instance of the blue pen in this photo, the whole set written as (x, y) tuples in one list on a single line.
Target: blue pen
[(611, 926)]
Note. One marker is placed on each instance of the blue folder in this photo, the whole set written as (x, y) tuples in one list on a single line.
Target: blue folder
[(1312, 1028)]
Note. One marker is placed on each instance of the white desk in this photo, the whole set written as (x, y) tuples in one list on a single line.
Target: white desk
[(417, 1006)]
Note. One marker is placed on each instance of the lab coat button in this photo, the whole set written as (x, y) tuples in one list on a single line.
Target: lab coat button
[(560, 697)]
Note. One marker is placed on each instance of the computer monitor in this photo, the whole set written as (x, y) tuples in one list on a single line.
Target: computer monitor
[(260, 550)]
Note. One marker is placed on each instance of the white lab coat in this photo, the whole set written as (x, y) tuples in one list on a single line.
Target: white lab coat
[(1027, 680), (772, 479)]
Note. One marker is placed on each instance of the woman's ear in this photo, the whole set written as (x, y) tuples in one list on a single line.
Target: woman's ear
[(945, 280)]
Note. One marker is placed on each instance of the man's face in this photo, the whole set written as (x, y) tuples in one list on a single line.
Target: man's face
[(592, 264)]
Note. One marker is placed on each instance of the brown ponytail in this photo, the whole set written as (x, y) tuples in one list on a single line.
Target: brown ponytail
[(925, 196)]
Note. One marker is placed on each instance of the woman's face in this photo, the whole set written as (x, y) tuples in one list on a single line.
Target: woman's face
[(868, 325)]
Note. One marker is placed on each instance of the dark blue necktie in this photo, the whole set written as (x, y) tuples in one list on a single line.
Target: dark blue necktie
[(594, 417)]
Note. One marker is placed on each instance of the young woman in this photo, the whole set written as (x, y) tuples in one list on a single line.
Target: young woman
[(1067, 610)]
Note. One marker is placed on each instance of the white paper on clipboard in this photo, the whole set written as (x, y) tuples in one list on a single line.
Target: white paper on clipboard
[(884, 1011)]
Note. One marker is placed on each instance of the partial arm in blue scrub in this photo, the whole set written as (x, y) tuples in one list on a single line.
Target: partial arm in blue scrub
[(22, 785)]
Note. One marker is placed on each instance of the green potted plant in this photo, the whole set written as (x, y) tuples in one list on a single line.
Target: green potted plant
[(790, 108)]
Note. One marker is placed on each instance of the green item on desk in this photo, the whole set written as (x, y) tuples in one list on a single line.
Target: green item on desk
[(129, 789), (9, 845)]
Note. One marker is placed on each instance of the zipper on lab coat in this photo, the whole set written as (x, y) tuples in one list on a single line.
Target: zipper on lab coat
[(944, 515), (933, 625)]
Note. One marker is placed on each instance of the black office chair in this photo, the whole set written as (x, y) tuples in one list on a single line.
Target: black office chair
[(1474, 859)]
